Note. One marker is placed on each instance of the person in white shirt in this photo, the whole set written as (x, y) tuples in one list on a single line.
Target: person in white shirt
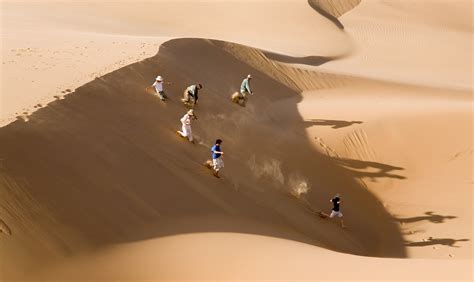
[(186, 125), (158, 85)]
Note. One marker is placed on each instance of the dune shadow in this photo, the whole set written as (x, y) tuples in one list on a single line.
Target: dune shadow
[(104, 164), (325, 14), (429, 216), (335, 124), (436, 241), (307, 60)]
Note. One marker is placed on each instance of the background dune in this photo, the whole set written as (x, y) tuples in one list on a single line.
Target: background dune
[(372, 100)]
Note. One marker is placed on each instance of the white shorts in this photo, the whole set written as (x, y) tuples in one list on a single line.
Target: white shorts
[(218, 163), (187, 132), (335, 213)]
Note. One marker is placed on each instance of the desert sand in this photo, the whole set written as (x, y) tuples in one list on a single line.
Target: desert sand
[(370, 99)]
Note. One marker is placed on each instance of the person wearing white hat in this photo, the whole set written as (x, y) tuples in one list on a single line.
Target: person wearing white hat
[(158, 85), (186, 130), (244, 92)]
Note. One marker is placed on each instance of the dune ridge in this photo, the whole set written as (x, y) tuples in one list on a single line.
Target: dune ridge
[(133, 132)]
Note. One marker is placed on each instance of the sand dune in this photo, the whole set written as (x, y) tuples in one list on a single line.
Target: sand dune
[(247, 257), (371, 100), (129, 158)]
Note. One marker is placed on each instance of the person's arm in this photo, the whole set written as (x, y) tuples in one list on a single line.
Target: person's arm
[(247, 86), (192, 91), (218, 152)]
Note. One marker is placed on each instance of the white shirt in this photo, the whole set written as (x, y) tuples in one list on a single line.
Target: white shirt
[(158, 86), (186, 119)]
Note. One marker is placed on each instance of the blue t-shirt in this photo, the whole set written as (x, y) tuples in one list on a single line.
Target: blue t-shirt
[(215, 148)]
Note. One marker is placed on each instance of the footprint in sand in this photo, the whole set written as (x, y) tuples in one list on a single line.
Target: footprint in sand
[(4, 228), (58, 97), (23, 117)]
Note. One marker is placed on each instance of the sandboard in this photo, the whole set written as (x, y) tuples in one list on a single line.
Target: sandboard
[(208, 164)]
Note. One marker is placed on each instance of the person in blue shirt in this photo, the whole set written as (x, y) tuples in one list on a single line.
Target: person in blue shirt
[(242, 97), (217, 157)]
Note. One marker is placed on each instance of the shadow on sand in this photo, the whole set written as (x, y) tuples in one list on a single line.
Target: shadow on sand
[(325, 14), (383, 170), (429, 216), (308, 60), (104, 165), (335, 124), (436, 241)]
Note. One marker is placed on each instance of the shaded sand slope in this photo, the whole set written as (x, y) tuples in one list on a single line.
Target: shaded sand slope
[(199, 257), (333, 9), (104, 165)]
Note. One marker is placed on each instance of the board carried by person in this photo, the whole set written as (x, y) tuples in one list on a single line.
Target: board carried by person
[(242, 97)]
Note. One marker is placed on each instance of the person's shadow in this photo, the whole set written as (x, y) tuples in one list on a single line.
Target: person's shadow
[(429, 216), (335, 124), (436, 241), (383, 169)]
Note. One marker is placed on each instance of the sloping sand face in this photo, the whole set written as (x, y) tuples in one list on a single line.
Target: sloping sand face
[(104, 165), (86, 179)]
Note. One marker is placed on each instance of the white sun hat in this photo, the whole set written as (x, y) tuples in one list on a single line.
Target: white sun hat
[(159, 78)]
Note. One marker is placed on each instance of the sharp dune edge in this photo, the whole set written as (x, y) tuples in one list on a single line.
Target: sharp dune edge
[(96, 185)]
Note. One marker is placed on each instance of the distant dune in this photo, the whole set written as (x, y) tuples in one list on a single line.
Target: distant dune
[(333, 9)]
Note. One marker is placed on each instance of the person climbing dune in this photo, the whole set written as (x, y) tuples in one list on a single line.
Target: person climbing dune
[(242, 97), (191, 94), (158, 85), (186, 130)]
